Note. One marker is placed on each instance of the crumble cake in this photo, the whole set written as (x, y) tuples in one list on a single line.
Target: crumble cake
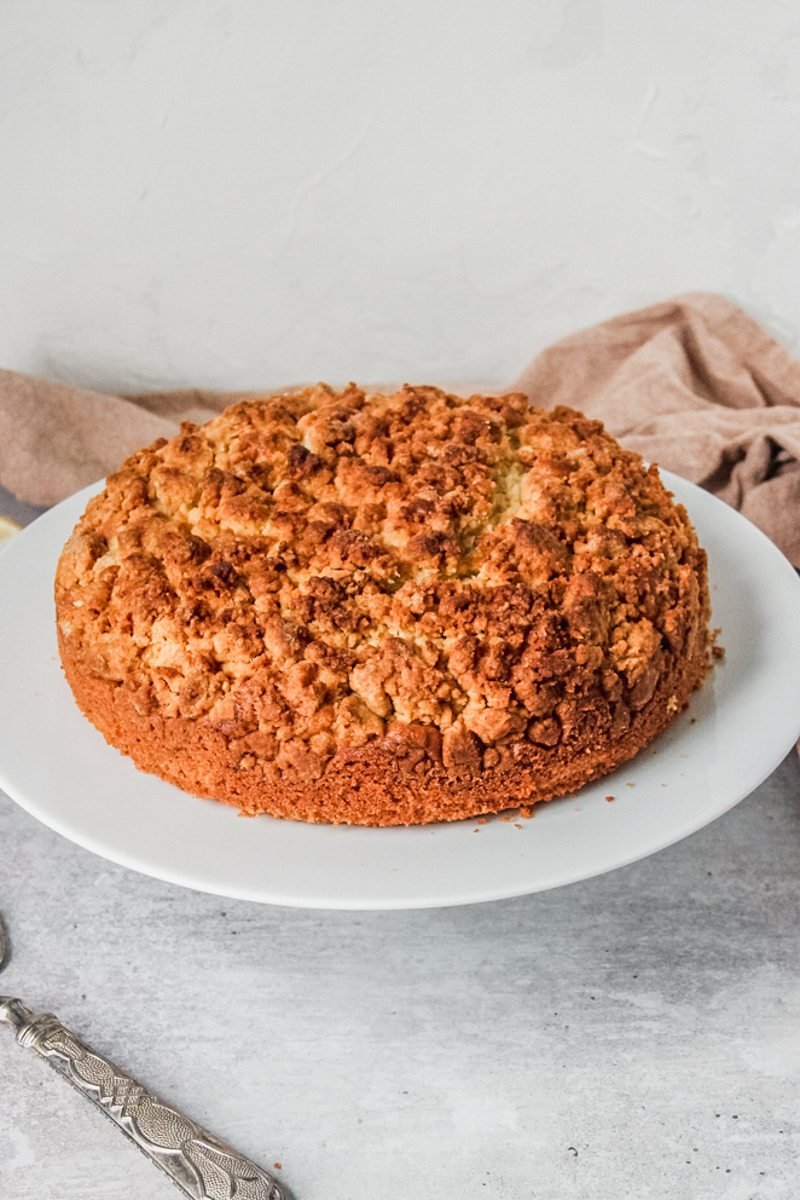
[(383, 609)]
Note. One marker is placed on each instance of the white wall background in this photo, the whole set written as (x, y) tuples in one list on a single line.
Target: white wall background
[(260, 193)]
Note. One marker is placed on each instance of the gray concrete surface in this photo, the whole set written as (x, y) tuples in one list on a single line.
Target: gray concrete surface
[(637, 1035)]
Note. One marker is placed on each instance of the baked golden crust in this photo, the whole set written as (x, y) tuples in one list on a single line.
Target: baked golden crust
[(383, 609)]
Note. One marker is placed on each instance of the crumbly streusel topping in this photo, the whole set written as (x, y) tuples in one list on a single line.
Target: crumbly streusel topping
[(314, 570)]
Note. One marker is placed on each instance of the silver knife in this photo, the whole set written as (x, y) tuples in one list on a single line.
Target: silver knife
[(200, 1164)]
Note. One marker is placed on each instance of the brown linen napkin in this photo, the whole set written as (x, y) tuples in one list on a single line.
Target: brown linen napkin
[(693, 384)]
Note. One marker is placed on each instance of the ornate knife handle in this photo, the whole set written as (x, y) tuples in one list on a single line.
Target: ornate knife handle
[(200, 1164)]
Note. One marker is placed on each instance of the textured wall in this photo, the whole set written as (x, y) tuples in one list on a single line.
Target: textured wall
[(268, 192)]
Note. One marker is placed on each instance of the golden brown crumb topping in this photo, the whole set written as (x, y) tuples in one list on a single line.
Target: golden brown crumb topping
[(314, 570)]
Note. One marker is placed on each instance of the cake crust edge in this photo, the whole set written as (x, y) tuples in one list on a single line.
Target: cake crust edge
[(391, 781)]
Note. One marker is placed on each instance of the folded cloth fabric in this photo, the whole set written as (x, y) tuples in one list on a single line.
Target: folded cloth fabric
[(694, 384)]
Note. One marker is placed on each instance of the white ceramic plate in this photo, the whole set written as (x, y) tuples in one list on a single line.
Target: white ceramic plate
[(55, 764)]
